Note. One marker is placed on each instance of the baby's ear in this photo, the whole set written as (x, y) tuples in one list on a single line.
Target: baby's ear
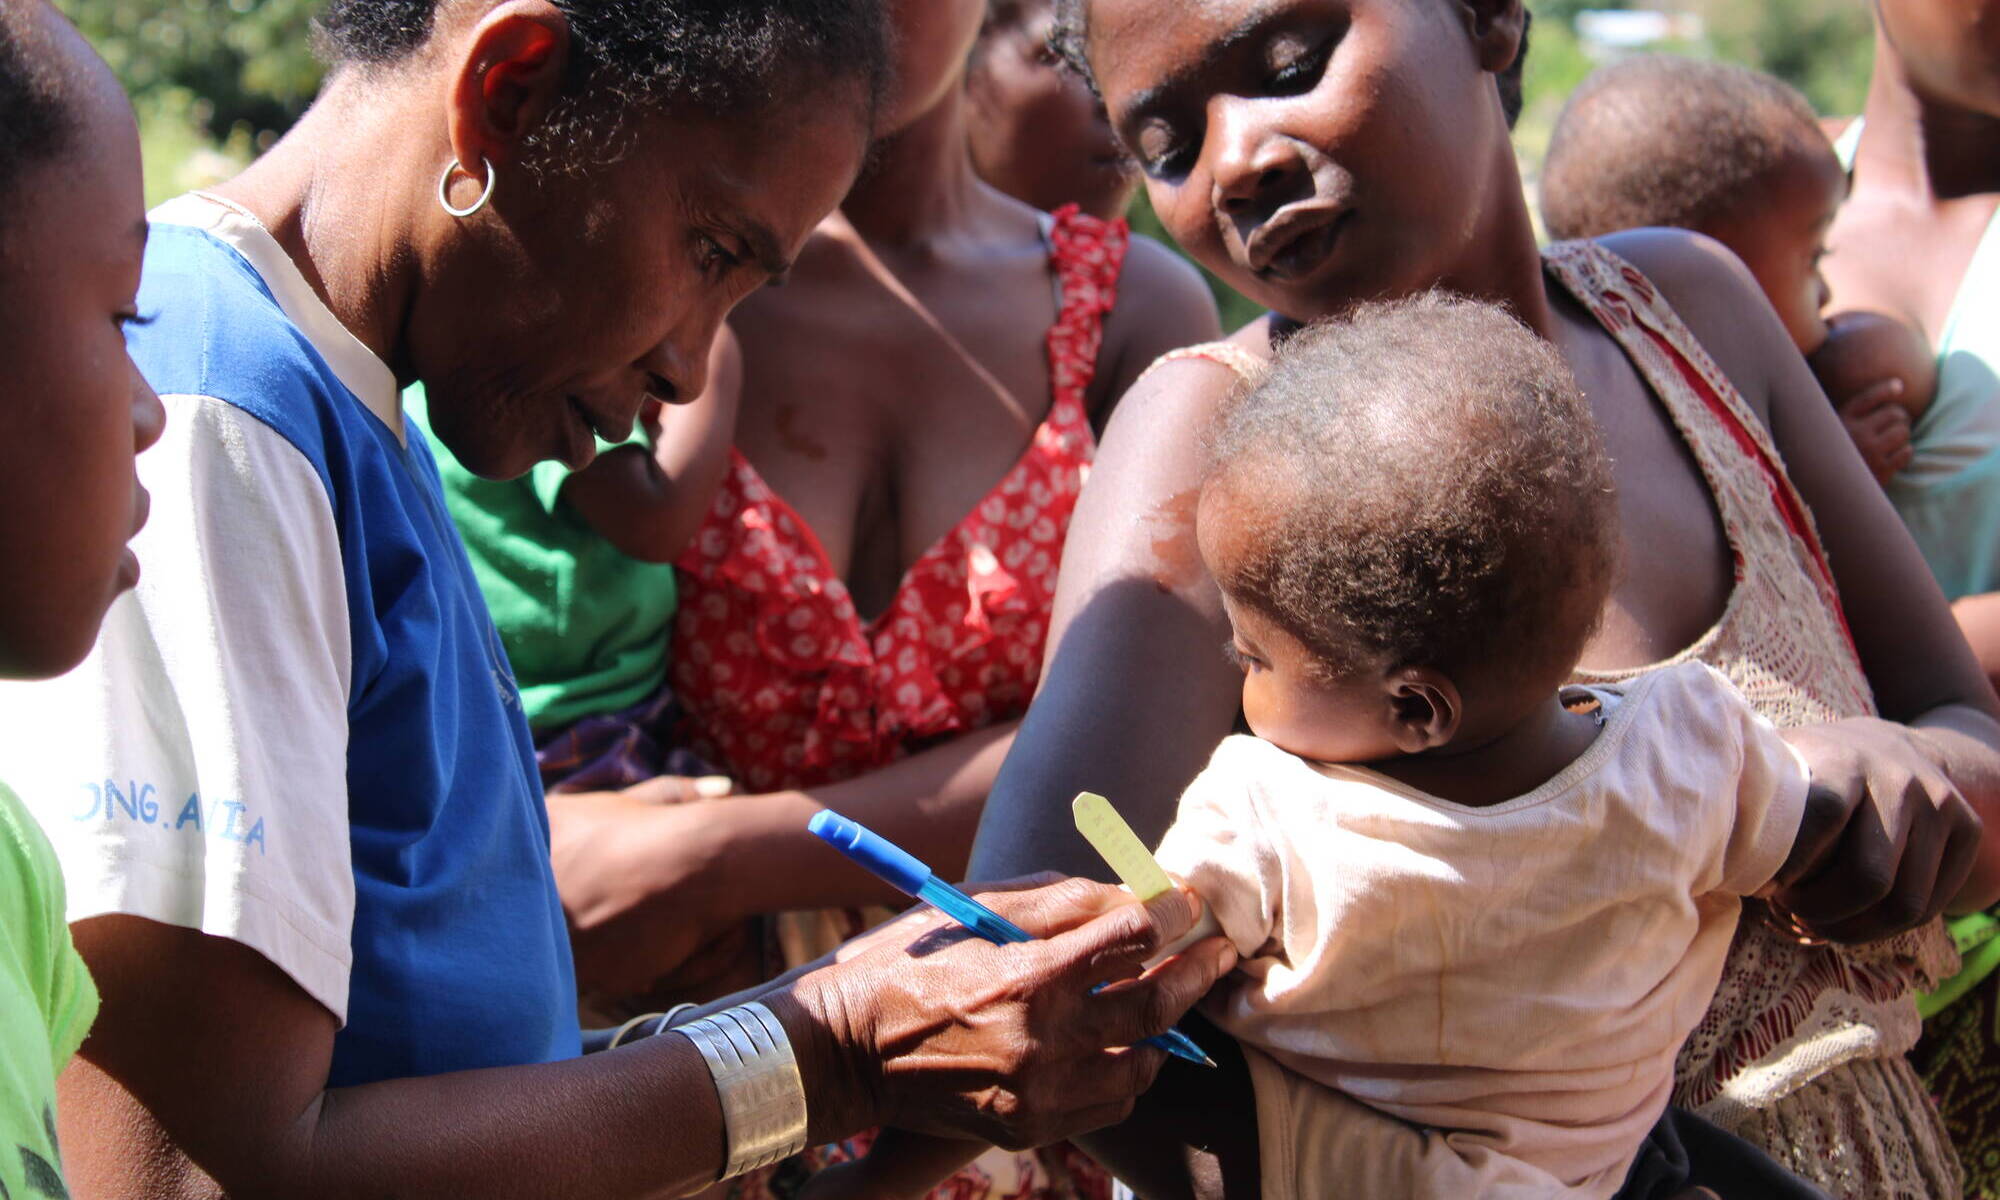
[(1424, 708)]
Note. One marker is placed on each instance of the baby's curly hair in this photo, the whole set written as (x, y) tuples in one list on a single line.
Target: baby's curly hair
[(1421, 483), (1664, 140)]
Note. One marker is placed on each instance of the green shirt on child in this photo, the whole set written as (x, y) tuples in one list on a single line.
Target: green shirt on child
[(47, 1003), (585, 624)]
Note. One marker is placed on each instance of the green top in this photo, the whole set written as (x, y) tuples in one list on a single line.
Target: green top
[(47, 1003), (585, 624)]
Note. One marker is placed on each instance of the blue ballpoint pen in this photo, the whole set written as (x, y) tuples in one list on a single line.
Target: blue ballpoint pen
[(903, 871)]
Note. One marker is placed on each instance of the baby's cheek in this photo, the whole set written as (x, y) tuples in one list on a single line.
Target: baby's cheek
[(1260, 709)]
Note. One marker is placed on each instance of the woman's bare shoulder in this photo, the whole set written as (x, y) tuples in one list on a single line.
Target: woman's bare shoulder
[(1174, 397), (1158, 285), (1719, 301), (1163, 304)]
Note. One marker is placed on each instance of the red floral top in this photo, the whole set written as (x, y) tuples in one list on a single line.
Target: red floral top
[(785, 685)]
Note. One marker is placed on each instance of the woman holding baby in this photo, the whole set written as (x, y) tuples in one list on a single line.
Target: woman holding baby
[(1320, 152)]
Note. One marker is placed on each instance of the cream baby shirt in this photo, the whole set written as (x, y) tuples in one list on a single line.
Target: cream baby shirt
[(1516, 977)]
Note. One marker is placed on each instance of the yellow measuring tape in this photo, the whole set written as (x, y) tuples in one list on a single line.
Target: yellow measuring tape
[(1119, 847)]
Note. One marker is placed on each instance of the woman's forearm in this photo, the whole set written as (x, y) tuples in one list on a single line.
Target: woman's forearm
[(642, 1121), (597, 1125), (206, 1072), (928, 803), (645, 1119)]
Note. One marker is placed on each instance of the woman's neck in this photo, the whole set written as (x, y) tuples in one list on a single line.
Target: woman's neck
[(1503, 263), (343, 210), (1499, 262), (1914, 144), (920, 183)]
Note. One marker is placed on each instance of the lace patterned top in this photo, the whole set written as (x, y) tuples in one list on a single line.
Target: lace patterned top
[(788, 687), (1784, 1014)]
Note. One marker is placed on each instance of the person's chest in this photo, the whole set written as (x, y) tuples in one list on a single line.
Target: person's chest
[(884, 409), (1675, 571), (1904, 259)]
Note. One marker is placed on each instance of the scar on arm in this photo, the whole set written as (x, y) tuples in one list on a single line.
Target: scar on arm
[(797, 440), (1176, 555)]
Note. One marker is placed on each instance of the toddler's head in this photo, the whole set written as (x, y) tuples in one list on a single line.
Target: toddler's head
[(74, 409), (1719, 149), (1413, 525), (1864, 348)]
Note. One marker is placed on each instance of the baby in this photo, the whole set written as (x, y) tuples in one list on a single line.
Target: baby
[(1881, 374), (1473, 900), (1738, 155), (1477, 911)]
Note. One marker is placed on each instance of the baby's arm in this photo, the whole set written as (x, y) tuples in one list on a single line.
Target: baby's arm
[(649, 502), (1772, 785), (1220, 848), (900, 1166)]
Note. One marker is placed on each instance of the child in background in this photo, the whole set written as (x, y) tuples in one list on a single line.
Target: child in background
[(1738, 155), (576, 567), (1035, 130), (1466, 897), (1881, 367), (72, 234)]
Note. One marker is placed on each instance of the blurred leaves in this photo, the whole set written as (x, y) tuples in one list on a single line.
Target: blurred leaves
[(245, 61), (1821, 47), (213, 81)]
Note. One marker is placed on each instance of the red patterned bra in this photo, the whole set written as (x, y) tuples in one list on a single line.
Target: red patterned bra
[(788, 688)]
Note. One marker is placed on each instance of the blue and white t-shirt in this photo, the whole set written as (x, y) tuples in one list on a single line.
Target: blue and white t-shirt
[(300, 731)]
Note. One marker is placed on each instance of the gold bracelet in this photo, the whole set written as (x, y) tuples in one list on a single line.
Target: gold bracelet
[(757, 1079)]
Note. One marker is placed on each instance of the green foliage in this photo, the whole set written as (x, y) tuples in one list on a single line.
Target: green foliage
[(1563, 12), (213, 81), (178, 152), (1821, 47), (246, 62), (1556, 65)]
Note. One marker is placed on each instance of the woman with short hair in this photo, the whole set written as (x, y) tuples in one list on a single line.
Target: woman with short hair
[(312, 876)]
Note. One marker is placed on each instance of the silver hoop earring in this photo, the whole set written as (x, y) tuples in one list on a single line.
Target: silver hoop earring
[(444, 196)]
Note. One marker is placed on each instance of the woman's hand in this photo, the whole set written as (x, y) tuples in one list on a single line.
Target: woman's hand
[(642, 880), (942, 1033), (1887, 840)]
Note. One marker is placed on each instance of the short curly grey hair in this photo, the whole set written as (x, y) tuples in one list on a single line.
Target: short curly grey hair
[(719, 55)]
